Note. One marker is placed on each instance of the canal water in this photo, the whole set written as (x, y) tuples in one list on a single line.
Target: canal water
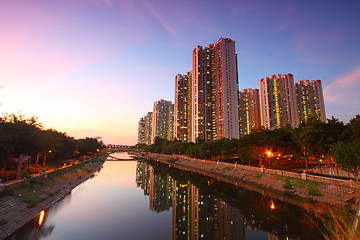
[(146, 200)]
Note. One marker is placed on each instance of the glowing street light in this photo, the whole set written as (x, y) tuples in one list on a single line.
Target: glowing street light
[(272, 206), (269, 155)]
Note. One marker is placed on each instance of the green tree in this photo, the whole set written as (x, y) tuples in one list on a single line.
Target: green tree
[(347, 157), (89, 145), (312, 136), (352, 129)]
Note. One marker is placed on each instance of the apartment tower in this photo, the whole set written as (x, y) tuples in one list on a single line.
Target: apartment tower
[(163, 120), (278, 101), (310, 100), (141, 131), (214, 92), (249, 110), (182, 107), (148, 128)]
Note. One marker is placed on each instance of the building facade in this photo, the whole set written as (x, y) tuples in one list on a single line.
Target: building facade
[(310, 100), (163, 120), (141, 131), (214, 92), (278, 101), (182, 107), (148, 128), (249, 110)]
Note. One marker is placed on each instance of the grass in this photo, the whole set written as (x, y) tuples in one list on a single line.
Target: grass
[(24, 185), (55, 174), (340, 227), (85, 169), (227, 168), (32, 201), (3, 221), (258, 175), (313, 190), (288, 184), (33, 181), (6, 192), (299, 183)]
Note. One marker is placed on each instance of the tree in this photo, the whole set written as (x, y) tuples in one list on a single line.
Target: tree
[(89, 145), (312, 136), (347, 157), (352, 129)]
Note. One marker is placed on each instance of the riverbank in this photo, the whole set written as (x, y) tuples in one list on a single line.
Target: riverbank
[(309, 194), (20, 203)]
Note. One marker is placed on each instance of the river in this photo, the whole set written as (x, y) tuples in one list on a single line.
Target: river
[(145, 200)]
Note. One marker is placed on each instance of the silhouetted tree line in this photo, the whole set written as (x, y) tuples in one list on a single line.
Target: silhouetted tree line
[(312, 141), (25, 135)]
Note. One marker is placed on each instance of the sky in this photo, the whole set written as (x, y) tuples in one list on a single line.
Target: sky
[(93, 67)]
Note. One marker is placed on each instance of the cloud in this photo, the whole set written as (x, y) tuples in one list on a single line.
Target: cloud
[(344, 89), (160, 18)]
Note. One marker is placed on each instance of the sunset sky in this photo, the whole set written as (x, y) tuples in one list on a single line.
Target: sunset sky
[(94, 67)]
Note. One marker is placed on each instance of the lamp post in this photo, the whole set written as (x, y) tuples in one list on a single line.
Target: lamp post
[(269, 155), (45, 158)]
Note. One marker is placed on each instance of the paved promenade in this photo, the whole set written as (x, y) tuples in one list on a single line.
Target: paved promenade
[(27, 200)]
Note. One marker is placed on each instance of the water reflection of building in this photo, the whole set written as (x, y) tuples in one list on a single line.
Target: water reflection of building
[(185, 211), (202, 216), (157, 186), (199, 214), (160, 191), (143, 177)]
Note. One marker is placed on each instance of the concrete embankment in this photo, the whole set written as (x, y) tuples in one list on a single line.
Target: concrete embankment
[(310, 192), (23, 200)]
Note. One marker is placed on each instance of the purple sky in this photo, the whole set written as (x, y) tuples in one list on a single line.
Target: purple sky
[(94, 67)]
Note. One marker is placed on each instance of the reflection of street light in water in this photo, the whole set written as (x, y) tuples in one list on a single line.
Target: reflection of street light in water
[(41, 218)]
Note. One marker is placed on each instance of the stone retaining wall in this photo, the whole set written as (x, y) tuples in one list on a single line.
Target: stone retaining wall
[(303, 176), (17, 183)]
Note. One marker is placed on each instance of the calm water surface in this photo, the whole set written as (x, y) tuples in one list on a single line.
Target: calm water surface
[(143, 200)]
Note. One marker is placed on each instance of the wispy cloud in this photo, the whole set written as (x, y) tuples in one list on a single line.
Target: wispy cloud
[(344, 89), (160, 18)]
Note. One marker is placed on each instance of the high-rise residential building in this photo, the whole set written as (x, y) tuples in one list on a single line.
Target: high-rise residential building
[(182, 107), (141, 131), (249, 110), (163, 120), (310, 100), (278, 101), (214, 92), (148, 128)]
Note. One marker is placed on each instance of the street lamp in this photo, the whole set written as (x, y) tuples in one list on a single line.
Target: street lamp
[(269, 155), (272, 206), (45, 158)]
